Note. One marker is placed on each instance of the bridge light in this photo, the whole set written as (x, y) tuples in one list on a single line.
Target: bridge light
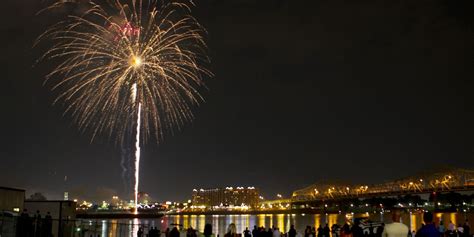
[(421, 180)]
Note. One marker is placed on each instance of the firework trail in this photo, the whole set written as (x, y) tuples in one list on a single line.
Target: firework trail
[(128, 65)]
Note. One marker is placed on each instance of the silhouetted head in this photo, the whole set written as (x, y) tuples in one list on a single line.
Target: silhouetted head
[(428, 217), (208, 230), (396, 215), (232, 229)]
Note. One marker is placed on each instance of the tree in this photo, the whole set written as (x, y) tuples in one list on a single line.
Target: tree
[(37, 197)]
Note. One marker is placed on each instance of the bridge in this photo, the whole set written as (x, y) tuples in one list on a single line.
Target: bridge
[(439, 181)]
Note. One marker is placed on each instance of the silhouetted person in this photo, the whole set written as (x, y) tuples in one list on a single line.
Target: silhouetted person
[(255, 231), (140, 232), (326, 230), (26, 224), (335, 230), (441, 228), (174, 232), (357, 230), (467, 229), (263, 232), (247, 232), (395, 229), (151, 232), (307, 231), (292, 231), (154, 232), (47, 225), (21, 223), (37, 224), (320, 231), (428, 229), (167, 232), (269, 232), (191, 232), (208, 230), (346, 230), (232, 231)]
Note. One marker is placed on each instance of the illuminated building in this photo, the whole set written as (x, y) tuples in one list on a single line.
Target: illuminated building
[(11, 199), (228, 196)]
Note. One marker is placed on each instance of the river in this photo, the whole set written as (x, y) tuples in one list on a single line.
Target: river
[(128, 227)]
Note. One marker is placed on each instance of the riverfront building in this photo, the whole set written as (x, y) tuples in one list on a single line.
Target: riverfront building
[(226, 197), (11, 199)]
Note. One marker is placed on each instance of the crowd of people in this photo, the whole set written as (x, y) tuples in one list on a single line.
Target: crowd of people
[(34, 226), (357, 229)]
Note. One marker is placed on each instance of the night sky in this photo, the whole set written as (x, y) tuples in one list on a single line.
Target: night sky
[(304, 91)]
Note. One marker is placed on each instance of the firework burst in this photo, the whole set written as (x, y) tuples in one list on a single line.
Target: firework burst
[(113, 57)]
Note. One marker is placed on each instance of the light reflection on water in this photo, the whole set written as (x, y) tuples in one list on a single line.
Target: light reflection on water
[(129, 227)]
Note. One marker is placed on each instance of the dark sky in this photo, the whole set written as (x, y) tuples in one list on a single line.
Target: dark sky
[(304, 91)]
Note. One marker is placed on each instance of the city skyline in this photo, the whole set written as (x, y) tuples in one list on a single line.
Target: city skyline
[(303, 92)]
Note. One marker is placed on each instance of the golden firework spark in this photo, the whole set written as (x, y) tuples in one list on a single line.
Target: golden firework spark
[(116, 56)]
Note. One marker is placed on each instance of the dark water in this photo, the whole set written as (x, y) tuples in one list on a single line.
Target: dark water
[(129, 227)]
